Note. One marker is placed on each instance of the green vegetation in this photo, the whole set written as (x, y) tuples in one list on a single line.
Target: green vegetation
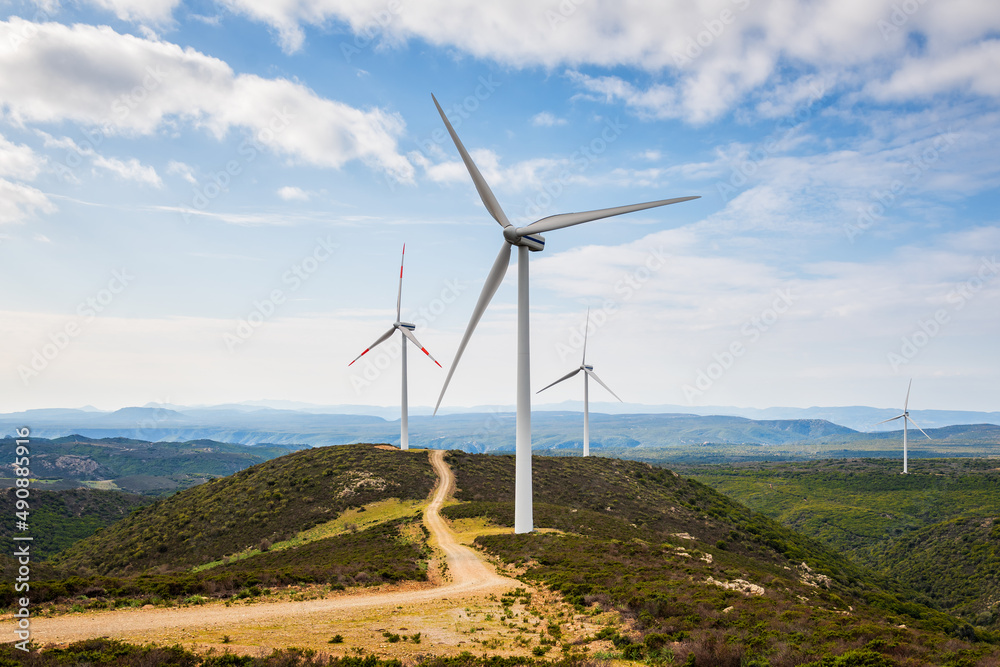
[(271, 501), (387, 552), (932, 529), (136, 465), (113, 652), (646, 542), (234, 523), (59, 518)]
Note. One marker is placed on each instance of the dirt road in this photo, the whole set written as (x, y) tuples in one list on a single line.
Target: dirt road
[(310, 622)]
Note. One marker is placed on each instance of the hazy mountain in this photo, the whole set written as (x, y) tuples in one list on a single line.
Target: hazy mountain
[(491, 430)]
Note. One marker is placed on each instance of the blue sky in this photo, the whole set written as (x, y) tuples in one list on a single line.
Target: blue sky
[(205, 202)]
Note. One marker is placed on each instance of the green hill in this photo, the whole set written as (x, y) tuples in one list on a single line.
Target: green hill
[(136, 465), (60, 518), (956, 563), (698, 576), (270, 501), (263, 526), (697, 572), (930, 529)]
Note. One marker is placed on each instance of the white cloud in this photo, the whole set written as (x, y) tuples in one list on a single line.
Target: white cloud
[(19, 202), (131, 170), (140, 11), (126, 85), (183, 170), (546, 119), (292, 193), (974, 69), (704, 57), (18, 161)]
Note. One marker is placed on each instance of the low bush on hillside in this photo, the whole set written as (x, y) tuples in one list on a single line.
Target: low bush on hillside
[(365, 558), (271, 501)]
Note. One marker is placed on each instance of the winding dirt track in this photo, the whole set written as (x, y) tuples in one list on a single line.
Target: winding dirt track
[(469, 577)]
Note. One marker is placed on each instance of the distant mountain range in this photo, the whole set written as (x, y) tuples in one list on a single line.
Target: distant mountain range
[(858, 417), (493, 430)]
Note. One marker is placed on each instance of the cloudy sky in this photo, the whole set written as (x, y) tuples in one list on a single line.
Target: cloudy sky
[(205, 202)]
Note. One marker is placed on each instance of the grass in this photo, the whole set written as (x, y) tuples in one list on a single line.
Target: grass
[(351, 520)]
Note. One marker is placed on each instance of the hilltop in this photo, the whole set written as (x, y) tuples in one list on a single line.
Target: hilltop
[(271, 501)]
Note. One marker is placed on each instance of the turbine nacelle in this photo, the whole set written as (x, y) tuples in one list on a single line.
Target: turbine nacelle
[(522, 236), (404, 325)]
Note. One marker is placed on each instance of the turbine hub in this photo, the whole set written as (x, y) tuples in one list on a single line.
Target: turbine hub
[(517, 236)]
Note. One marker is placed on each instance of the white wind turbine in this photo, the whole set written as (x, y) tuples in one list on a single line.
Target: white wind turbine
[(588, 372), (906, 418), (406, 329), (527, 238)]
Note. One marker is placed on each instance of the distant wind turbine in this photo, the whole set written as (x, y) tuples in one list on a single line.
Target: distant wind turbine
[(527, 238), (906, 418), (588, 372), (406, 329)]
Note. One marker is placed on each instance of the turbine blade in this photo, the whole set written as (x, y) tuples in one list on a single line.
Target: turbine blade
[(594, 375), (413, 339), (918, 428), (892, 419), (564, 377), (489, 201), (907, 401), (569, 219), (586, 330), (399, 295), (490, 287), (380, 339)]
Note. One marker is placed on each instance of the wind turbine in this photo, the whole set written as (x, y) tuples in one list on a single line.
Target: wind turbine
[(406, 329), (906, 418), (527, 238), (588, 372)]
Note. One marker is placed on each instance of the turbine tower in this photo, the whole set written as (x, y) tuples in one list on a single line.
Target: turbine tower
[(406, 329), (906, 418), (588, 372), (527, 238)]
